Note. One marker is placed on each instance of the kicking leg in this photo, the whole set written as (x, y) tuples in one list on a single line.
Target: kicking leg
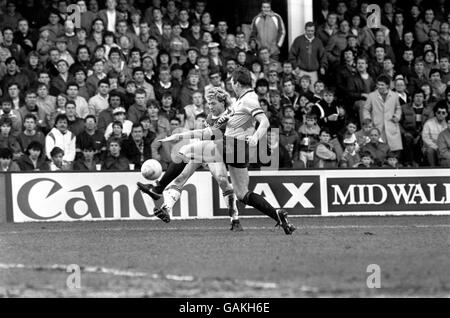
[(186, 154), (240, 180), (173, 192)]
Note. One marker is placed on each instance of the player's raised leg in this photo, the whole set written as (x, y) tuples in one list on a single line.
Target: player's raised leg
[(187, 153)]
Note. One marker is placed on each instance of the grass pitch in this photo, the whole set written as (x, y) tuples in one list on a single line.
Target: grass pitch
[(203, 258)]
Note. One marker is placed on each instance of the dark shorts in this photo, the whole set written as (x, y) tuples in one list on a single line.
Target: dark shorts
[(235, 153)]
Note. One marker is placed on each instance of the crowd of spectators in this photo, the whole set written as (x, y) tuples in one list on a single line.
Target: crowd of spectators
[(102, 95)]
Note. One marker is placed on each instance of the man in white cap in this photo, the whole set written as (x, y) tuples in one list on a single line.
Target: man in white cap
[(350, 157), (119, 114)]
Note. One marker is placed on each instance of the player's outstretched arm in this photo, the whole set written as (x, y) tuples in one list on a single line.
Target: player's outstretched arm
[(203, 134)]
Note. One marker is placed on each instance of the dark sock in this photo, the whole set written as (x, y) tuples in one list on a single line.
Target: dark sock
[(173, 171), (258, 202)]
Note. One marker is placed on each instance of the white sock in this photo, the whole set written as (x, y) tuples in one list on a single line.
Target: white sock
[(235, 209), (171, 196)]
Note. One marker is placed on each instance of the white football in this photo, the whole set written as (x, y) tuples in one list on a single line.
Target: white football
[(151, 169)]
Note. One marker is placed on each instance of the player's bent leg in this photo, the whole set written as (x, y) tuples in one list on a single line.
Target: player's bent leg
[(220, 174), (240, 180)]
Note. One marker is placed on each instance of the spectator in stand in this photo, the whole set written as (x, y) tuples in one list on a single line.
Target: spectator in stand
[(429, 62), (34, 158), (376, 66), (75, 124), (8, 43), (148, 135), (99, 73), (430, 133), (30, 133), (376, 147), (392, 161), (139, 108), (189, 88), (7, 140), (141, 83), (324, 154), (443, 143), (268, 29), (307, 54), (87, 161), (306, 143), (61, 45), (82, 107), (110, 16), (197, 107), (262, 89), (57, 162), (135, 149), (329, 113), (44, 45), (105, 117), (194, 35), (328, 29), (398, 29), (350, 157), (288, 135), (99, 102), (367, 161), (413, 117), (117, 132), (128, 97), (61, 137), (424, 26), (418, 78), (6, 112), (290, 96), (119, 115), (165, 84), (45, 102), (59, 83), (10, 17), (383, 108), (114, 160), (6, 161), (362, 135), (437, 87), (13, 75), (336, 44), (406, 66), (381, 41), (90, 137), (31, 107), (444, 65), (359, 87), (344, 72)]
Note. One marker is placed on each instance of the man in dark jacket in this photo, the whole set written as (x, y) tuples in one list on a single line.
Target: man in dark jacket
[(135, 149), (359, 87), (307, 54)]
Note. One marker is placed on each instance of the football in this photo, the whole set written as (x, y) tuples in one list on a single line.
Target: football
[(151, 169)]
